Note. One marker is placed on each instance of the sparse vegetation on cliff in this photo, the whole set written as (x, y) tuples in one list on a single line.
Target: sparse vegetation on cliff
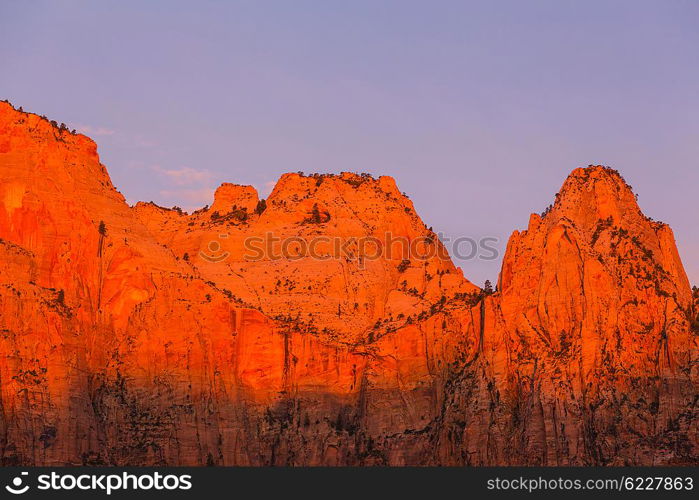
[(316, 216)]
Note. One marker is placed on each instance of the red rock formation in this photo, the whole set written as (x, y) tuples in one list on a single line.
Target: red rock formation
[(230, 197), (587, 354), (126, 339), (345, 268)]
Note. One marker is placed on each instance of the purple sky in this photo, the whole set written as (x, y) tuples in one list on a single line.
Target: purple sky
[(478, 109)]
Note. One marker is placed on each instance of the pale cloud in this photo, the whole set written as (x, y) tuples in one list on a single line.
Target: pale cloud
[(94, 131), (191, 188), (188, 199), (185, 175)]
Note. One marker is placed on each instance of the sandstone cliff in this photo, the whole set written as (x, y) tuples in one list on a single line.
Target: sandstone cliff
[(588, 354), (125, 338)]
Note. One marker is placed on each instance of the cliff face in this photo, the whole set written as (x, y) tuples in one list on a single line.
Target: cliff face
[(333, 254), (588, 355), (144, 335)]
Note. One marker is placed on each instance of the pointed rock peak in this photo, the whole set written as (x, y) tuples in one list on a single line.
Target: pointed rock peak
[(597, 177), (597, 221), (592, 194), (229, 195)]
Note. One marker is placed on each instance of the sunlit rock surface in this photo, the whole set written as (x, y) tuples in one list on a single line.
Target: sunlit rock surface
[(144, 335)]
